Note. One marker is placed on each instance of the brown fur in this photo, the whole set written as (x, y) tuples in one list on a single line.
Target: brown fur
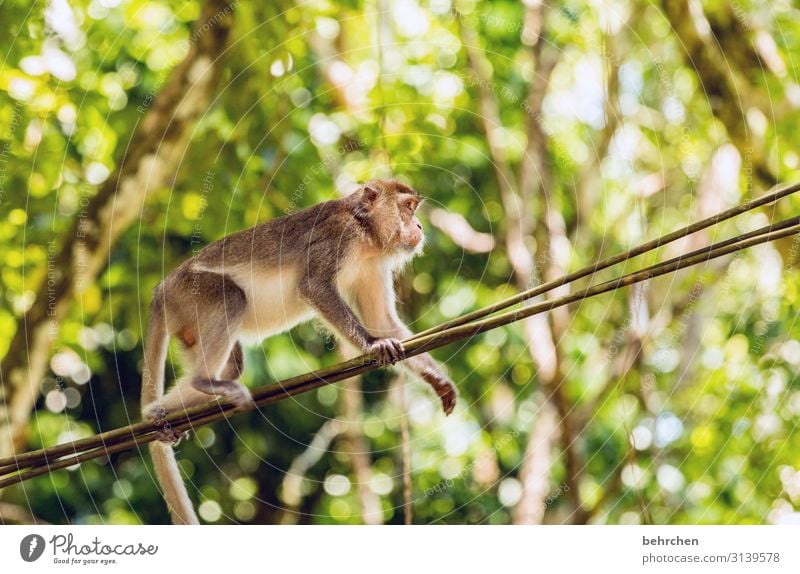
[(334, 261)]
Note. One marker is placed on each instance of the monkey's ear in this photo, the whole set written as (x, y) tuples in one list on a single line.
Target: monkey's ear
[(370, 194), (413, 202)]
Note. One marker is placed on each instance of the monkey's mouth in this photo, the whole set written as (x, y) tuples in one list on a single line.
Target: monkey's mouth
[(415, 246)]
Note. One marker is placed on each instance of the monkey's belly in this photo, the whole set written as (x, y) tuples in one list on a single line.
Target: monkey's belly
[(273, 304)]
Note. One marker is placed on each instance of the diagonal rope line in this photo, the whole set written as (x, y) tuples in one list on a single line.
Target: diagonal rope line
[(765, 199)]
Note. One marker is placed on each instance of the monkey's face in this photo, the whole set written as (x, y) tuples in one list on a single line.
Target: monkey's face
[(410, 235), (392, 212)]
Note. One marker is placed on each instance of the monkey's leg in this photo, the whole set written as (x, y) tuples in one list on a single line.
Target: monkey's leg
[(333, 310), (424, 367), (186, 392), (377, 309), (427, 369), (205, 358), (207, 323), (219, 359), (219, 368), (233, 369)]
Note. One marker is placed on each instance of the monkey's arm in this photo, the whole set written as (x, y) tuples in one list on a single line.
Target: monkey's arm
[(323, 296), (376, 306)]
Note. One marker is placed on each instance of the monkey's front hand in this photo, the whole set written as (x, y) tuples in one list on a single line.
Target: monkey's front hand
[(444, 388), (387, 351)]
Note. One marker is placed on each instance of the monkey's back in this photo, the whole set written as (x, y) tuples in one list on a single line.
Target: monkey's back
[(303, 237)]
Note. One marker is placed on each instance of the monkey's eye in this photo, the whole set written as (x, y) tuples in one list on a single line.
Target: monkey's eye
[(411, 205)]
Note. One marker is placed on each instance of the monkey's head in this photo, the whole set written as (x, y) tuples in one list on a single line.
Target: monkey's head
[(388, 209)]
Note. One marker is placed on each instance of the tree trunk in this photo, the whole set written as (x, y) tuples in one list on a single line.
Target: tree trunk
[(535, 471), (357, 449), (728, 99), (150, 162), (542, 332)]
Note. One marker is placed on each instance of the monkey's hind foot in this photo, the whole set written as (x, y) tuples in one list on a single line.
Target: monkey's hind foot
[(234, 391), (154, 412), (165, 432), (171, 436)]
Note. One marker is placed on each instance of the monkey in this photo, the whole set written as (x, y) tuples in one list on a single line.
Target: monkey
[(334, 261)]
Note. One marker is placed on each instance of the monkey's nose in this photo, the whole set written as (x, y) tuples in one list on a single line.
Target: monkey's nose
[(419, 226)]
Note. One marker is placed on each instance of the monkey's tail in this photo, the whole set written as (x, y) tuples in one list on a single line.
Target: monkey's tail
[(163, 455)]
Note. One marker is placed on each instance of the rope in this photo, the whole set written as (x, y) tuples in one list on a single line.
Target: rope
[(613, 260)]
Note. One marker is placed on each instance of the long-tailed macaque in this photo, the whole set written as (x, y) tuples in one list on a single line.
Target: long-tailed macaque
[(334, 261)]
